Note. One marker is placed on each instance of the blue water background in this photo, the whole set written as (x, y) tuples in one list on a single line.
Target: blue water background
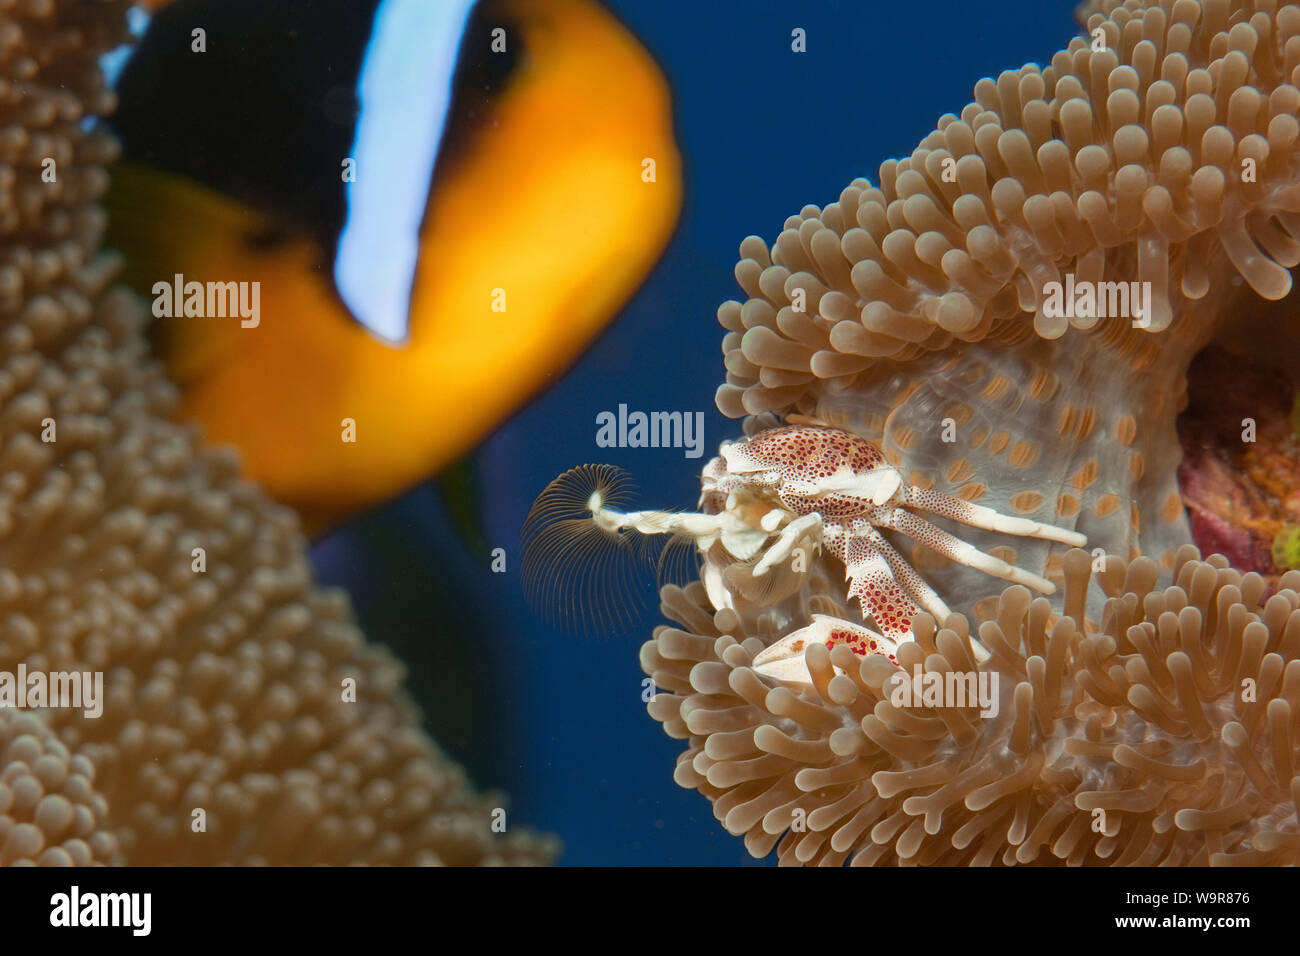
[(555, 719)]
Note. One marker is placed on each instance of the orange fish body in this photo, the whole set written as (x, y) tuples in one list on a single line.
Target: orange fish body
[(532, 239)]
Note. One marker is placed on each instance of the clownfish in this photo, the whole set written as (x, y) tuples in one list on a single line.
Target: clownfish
[(370, 280)]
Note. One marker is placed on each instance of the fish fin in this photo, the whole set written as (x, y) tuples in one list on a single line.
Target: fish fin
[(458, 487)]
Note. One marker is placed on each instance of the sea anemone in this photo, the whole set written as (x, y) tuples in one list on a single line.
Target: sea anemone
[(1160, 148), (1164, 736), (1148, 716), (245, 719), (50, 813)]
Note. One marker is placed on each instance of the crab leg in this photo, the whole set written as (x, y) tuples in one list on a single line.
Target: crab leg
[(658, 522), (871, 581), (904, 573), (977, 516), (918, 529), (785, 542), (737, 537)]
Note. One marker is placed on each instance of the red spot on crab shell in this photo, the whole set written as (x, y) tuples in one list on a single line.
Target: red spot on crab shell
[(807, 451), (854, 641)]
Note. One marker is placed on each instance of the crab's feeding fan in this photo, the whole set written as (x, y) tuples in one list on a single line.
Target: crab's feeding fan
[(578, 572)]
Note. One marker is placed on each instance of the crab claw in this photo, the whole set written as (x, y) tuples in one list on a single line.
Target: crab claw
[(784, 660)]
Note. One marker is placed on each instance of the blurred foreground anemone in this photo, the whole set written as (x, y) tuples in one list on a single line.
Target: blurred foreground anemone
[(222, 687), (50, 813), (1168, 735)]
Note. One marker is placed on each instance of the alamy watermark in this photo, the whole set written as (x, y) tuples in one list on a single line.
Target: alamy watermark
[(208, 300), (74, 908), (32, 690), (651, 430), (1098, 300), (946, 689)]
